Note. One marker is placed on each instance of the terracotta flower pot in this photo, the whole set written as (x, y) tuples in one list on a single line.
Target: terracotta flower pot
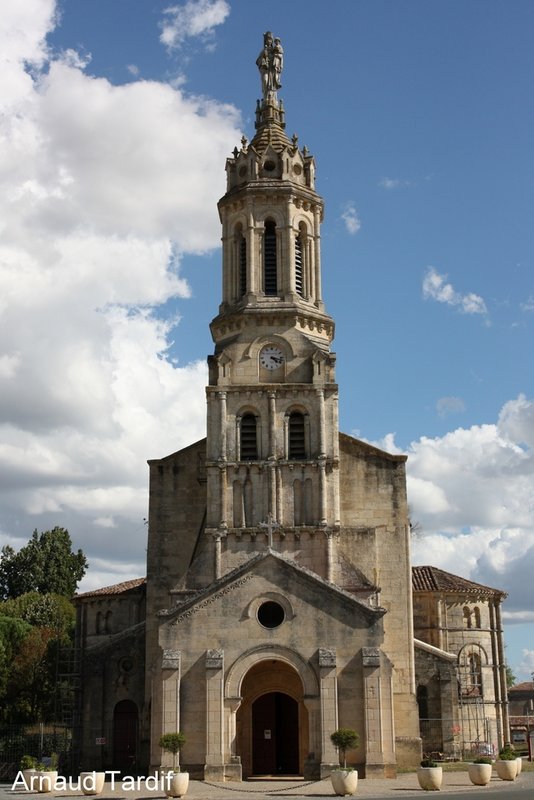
[(480, 774), (430, 778), (344, 781), (507, 770)]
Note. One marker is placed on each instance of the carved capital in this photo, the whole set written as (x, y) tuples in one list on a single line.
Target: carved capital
[(371, 656), (171, 659), (327, 656), (214, 659)]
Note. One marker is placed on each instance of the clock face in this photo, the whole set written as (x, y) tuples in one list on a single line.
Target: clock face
[(271, 357)]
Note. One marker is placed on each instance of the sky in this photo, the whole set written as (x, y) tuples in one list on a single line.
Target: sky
[(116, 119)]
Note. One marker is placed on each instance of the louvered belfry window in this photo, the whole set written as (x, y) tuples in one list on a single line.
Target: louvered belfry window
[(299, 284), (242, 255), (297, 444), (269, 258), (249, 443)]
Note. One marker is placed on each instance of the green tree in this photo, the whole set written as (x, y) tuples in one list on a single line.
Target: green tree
[(47, 564), (12, 633), (43, 610), (511, 680)]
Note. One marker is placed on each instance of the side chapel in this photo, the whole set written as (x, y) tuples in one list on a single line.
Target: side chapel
[(277, 604)]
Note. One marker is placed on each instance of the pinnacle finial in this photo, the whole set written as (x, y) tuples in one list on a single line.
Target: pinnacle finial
[(270, 63)]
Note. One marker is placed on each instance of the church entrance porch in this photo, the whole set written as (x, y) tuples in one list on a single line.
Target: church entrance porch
[(275, 735), (272, 721)]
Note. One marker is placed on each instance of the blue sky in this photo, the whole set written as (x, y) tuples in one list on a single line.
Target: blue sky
[(117, 117)]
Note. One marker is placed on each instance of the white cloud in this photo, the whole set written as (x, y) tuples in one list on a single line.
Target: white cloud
[(393, 183), (471, 490), (351, 219), (103, 190), (449, 405), (527, 663), (529, 304), (435, 287), (195, 18)]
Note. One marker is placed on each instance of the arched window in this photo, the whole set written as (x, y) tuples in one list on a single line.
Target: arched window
[(99, 625), (296, 437), (422, 701), (299, 275), (467, 617), (248, 438), (470, 674), (108, 627), (477, 617), (269, 259)]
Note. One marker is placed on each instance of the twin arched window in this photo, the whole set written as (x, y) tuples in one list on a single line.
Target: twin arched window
[(296, 437)]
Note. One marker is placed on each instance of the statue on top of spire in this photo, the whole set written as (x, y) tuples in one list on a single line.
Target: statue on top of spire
[(270, 63)]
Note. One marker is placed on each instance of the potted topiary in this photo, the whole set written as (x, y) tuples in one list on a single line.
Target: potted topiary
[(430, 775), (479, 770), (28, 766), (506, 764), (344, 779), (176, 782)]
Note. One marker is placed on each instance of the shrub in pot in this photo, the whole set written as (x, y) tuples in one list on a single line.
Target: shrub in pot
[(176, 782), (480, 770), (506, 765), (344, 779), (47, 775), (430, 775), (28, 767)]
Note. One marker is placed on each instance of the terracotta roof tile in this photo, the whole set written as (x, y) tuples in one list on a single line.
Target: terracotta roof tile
[(432, 579), (117, 588)]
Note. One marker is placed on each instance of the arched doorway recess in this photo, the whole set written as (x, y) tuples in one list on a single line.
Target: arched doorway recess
[(272, 721), (125, 737)]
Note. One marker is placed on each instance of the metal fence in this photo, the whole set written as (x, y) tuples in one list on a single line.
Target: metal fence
[(37, 740)]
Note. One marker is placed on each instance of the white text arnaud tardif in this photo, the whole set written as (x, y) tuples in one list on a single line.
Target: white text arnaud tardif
[(88, 782)]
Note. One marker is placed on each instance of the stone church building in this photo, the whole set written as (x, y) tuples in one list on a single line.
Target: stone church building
[(278, 601)]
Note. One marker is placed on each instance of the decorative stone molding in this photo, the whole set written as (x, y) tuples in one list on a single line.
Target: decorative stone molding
[(214, 659), (327, 656), (171, 659), (371, 656)]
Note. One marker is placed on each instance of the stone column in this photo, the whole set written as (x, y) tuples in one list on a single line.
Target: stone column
[(312, 763), (217, 536), (170, 704), (222, 429), (322, 431), (214, 767), (322, 493), (379, 728), (317, 241), (252, 281), (329, 555), (272, 425), (328, 689), (232, 770), (222, 495)]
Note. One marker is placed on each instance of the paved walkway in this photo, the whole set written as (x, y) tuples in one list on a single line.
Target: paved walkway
[(405, 786)]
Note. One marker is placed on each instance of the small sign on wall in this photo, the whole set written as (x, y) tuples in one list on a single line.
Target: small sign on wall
[(266, 734), (100, 740)]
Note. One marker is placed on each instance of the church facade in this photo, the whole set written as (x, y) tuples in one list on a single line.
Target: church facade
[(278, 602)]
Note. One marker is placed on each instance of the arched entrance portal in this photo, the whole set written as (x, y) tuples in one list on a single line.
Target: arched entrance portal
[(125, 736), (272, 721), (275, 735)]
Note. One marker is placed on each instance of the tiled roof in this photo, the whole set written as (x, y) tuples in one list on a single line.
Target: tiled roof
[(117, 588), (432, 579), (526, 686)]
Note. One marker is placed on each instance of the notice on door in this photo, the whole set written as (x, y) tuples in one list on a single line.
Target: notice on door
[(266, 734)]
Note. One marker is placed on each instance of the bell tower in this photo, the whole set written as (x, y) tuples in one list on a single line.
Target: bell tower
[(272, 401)]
